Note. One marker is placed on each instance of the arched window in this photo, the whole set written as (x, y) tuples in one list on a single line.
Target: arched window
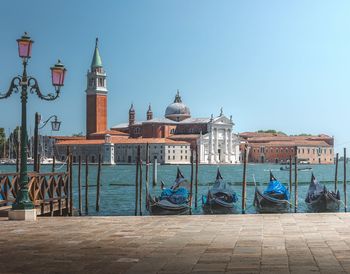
[(172, 131)]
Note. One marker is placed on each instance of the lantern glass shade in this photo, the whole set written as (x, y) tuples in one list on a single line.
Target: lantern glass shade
[(25, 46), (55, 125), (58, 72)]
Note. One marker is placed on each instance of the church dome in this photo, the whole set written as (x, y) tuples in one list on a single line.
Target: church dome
[(177, 111)]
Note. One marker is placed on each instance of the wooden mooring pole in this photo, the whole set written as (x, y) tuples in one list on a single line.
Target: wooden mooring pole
[(191, 184), (296, 184), (98, 184), (155, 172), (71, 185), (336, 173), (345, 198), (39, 163), (137, 180), (79, 188), (244, 180), (290, 179), (140, 189), (147, 174), (87, 185), (53, 163), (196, 183), (67, 187)]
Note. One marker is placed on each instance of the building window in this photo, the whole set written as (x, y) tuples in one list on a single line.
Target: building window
[(308, 150), (169, 157), (186, 157), (181, 151), (330, 151), (181, 157), (169, 151), (172, 131), (174, 157), (173, 151)]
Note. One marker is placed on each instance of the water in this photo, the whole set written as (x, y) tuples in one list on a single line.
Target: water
[(118, 183)]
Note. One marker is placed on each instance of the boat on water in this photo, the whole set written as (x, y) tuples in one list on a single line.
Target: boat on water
[(49, 161), (172, 201), (275, 199), (320, 199), (220, 197), (286, 168)]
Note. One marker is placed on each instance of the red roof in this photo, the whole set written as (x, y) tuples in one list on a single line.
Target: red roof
[(121, 140)]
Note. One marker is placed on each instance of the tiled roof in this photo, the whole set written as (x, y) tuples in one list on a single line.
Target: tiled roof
[(121, 140), (110, 132), (68, 137), (184, 136), (291, 143)]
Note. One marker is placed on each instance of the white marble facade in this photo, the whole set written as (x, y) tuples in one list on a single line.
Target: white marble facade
[(220, 145)]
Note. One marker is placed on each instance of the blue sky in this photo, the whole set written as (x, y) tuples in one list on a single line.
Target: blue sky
[(270, 64)]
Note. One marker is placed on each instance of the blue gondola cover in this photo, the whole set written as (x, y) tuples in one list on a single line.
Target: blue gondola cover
[(179, 196), (275, 187)]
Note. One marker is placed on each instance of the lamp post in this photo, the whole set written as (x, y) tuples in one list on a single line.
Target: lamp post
[(55, 126), (27, 84)]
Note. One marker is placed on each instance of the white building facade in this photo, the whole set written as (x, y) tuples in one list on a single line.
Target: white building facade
[(220, 145)]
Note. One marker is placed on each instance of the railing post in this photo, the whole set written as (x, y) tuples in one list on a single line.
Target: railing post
[(51, 178), (70, 185)]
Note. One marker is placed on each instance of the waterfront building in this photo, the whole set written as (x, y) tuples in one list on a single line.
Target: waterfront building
[(214, 137), (278, 148)]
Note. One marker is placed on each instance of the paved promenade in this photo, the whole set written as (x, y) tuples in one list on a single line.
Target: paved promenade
[(296, 243)]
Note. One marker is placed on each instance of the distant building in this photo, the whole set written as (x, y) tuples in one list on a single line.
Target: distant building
[(278, 148), (216, 141)]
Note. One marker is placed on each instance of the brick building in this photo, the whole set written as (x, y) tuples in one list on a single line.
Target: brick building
[(278, 148)]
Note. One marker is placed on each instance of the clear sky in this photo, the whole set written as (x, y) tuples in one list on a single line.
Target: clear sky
[(283, 65)]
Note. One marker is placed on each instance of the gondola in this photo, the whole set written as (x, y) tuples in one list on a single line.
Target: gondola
[(172, 201), (320, 199), (275, 199), (220, 198)]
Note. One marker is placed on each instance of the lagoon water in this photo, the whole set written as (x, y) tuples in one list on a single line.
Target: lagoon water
[(118, 183)]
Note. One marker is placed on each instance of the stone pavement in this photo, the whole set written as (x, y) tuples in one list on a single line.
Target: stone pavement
[(280, 243)]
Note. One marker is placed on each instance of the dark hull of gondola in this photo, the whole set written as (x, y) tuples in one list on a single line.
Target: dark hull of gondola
[(166, 208), (267, 204), (326, 202), (218, 206)]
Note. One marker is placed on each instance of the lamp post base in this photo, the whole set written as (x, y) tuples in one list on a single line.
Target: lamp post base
[(22, 214)]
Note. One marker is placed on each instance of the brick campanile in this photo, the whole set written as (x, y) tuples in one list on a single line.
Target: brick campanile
[(96, 96)]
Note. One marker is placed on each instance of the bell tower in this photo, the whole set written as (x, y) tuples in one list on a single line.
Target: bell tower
[(96, 96)]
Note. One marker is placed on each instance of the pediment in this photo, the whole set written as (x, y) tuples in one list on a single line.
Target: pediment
[(223, 120)]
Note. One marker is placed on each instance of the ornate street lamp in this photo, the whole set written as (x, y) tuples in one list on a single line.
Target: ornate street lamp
[(55, 126), (22, 84)]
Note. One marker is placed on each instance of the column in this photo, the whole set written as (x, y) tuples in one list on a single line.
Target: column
[(216, 145), (210, 148), (225, 144)]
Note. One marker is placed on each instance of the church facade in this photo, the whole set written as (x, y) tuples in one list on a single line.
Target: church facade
[(170, 138)]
